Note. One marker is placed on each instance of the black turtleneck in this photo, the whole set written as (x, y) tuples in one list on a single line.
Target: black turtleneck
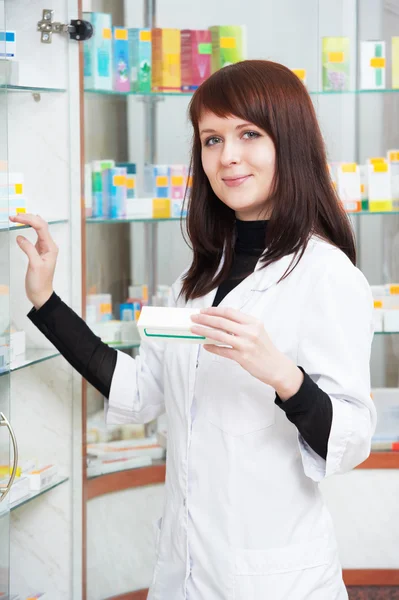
[(249, 244), (310, 409)]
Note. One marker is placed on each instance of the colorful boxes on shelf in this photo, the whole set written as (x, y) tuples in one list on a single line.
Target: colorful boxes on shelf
[(386, 307), (12, 196), (379, 184), (348, 181), (98, 53)]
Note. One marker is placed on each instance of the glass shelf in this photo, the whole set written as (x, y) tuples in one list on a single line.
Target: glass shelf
[(6, 227), (36, 494), (31, 496), (368, 212), (129, 220), (103, 220), (386, 333), (33, 89), (183, 94), (33, 356)]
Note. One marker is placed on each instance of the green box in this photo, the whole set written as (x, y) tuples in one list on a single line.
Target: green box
[(228, 45), (140, 56), (335, 64)]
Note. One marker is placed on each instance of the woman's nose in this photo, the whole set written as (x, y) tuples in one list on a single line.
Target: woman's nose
[(230, 154)]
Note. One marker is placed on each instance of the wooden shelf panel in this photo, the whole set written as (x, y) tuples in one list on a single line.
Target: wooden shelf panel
[(138, 595), (371, 577), (125, 480), (381, 460)]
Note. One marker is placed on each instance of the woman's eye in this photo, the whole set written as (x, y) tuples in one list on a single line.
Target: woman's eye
[(212, 141), (251, 134)]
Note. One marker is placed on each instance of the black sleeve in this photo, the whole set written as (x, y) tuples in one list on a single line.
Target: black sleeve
[(93, 359), (310, 410)]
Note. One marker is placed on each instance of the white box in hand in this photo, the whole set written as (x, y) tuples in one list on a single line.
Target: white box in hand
[(170, 325)]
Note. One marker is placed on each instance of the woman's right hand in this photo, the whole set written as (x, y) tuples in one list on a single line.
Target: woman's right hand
[(42, 259)]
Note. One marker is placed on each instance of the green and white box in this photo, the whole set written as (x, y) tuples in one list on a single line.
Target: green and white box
[(372, 65)]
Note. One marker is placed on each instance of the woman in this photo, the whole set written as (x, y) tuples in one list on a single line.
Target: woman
[(255, 425)]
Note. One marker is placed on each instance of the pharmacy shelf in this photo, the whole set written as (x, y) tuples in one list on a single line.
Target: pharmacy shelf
[(6, 227), (182, 94), (32, 496), (32, 356), (125, 480), (31, 89), (101, 220)]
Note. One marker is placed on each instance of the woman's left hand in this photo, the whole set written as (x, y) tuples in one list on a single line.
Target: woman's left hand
[(250, 346)]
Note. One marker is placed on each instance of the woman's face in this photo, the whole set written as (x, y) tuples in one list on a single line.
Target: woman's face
[(239, 160)]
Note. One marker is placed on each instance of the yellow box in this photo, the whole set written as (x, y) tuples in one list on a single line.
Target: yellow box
[(19, 188), (379, 159), (107, 33), (166, 71), (380, 205), (161, 208), (130, 182), (394, 289)]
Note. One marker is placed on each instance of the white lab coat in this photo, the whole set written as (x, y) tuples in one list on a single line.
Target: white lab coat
[(243, 516)]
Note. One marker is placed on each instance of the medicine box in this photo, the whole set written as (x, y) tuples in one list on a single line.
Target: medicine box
[(140, 52), (166, 73), (372, 65), (120, 52), (97, 52), (228, 45), (335, 64), (169, 324), (196, 57)]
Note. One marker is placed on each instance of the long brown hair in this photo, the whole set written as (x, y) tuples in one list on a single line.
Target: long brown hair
[(302, 196)]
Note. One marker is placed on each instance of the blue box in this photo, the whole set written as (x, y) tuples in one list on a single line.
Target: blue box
[(97, 52), (114, 193), (121, 59)]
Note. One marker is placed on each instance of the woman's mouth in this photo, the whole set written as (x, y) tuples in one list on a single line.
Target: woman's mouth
[(235, 181)]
